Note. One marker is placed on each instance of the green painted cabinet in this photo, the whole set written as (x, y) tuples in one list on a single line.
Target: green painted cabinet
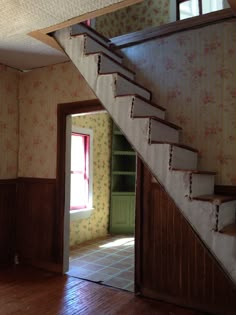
[(123, 182), (122, 214)]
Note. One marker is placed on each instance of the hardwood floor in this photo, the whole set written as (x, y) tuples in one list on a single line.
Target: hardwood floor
[(27, 291)]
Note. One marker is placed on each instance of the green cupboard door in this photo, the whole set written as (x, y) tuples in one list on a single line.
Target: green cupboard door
[(132, 213), (121, 206)]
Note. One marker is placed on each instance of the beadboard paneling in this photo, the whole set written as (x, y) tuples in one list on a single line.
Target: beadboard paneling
[(7, 221), (175, 265), (35, 223)]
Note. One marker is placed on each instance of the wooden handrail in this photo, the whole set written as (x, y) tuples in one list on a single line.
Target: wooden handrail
[(172, 28)]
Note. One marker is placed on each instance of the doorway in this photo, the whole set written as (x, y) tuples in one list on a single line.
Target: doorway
[(108, 260), (96, 255)]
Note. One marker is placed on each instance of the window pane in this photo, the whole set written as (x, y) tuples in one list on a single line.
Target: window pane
[(79, 192), (188, 9), (79, 197), (212, 5), (77, 153)]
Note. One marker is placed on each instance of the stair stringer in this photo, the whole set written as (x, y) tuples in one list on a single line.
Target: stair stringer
[(200, 214)]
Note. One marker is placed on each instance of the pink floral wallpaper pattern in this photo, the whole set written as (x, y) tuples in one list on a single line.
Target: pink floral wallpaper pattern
[(193, 75), (97, 224), (40, 92), (9, 119), (133, 18)]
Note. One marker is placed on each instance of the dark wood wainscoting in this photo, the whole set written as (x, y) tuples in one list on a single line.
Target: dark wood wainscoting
[(7, 220), (36, 222), (175, 265)]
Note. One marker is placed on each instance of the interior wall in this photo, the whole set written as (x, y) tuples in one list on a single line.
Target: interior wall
[(192, 75), (134, 18), (9, 116), (39, 93), (97, 224)]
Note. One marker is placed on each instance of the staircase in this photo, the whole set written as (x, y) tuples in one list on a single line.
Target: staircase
[(156, 140)]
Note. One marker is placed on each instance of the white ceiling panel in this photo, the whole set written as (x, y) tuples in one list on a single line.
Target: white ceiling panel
[(19, 17)]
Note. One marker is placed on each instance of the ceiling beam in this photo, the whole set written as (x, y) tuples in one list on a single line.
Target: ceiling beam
[(43, 36)]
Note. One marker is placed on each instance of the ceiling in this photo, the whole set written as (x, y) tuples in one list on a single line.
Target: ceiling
[(20, 17)]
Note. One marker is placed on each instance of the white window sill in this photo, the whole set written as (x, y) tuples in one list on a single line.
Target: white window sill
[(81, 214)]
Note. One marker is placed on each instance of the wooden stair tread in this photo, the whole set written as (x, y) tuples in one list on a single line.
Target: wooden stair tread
[(229, 229), (130, 80), (194, 171), (113, 60), (91, 30), (143, 99), (163, 121), (215, 199), (100, 43), (176, 145)]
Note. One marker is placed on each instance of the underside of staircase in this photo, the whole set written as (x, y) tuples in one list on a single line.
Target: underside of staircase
[(157, 141)]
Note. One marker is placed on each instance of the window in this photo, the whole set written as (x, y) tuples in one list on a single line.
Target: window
[(190, 8), (87, 22), (81, 169)]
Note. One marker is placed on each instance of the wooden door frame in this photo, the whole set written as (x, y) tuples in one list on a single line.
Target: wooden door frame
[(138, 225), (63, 110)]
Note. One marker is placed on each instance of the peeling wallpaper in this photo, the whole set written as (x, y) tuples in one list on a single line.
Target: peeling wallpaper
[(134, 18), (40, 92), (9, 116), (193, 75), (97, 224)]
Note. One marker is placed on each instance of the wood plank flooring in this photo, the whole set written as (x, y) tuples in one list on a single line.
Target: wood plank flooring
[(27, 291)]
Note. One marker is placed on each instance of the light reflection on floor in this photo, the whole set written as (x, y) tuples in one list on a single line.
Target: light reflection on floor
[(108, 261)]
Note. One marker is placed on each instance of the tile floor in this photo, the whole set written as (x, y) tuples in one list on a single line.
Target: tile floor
[(109, 261)]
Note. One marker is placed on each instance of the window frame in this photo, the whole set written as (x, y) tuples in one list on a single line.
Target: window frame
[(89, 132), (178, 2), (225, 5)]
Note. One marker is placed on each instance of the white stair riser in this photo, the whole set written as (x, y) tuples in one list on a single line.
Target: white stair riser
[(91, 46), (202, 185), (108, 66), (141, 108), (124, 87), (163, 133), (226, 214), (183, 159), (80, 29)]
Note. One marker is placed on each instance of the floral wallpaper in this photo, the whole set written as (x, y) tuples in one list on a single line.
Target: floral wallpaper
[(133, 18), (97, 224), (9, 118), (193, 75), (40, 92)]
